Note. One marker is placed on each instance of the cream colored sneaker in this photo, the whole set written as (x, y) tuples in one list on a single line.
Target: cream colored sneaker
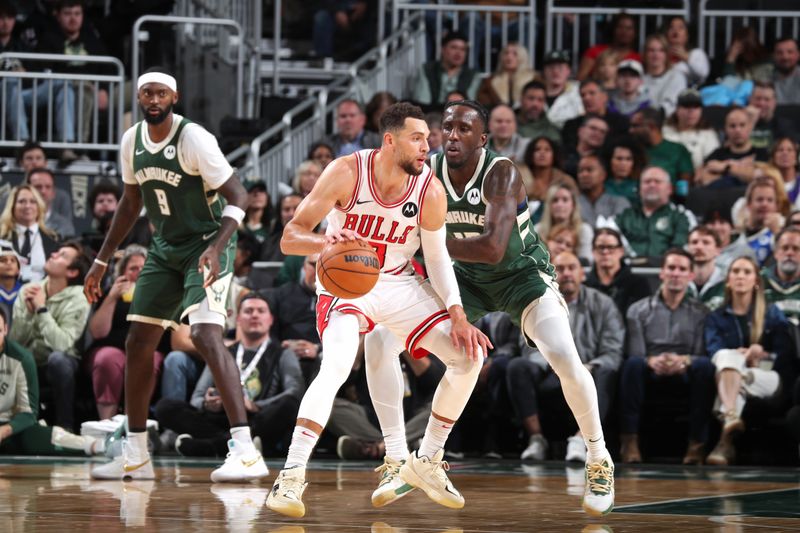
[(430, 476), (391, 486), (286, 496)]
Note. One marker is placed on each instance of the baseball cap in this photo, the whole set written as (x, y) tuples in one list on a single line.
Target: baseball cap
[(631, 65), (690, 98), (7, 250), (556, 56), (256, 184)]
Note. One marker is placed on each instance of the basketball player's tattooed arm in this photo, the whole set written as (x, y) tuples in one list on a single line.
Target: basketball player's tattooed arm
[(128, 209), (234, 194), (502, 188), (333, 188)]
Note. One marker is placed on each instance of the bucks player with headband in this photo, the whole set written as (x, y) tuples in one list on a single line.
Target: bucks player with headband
[(501, 264), (176, 169)]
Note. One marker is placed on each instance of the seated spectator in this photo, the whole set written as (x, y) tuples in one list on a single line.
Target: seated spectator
[(748, 342), (611, 275), (657, 224), (560, 238), (768, 125), (543, 160), (661, 81), (108, 326), (305, 176), (732, 165), (605, 70), (746, 58), (721, 223), (595, 102), (626, 160), (594, 201), (691, 62), (347, 19), (592, 136), (435, 137), (622, 41), (182, 366), (49, 317), (666, 353), (506, 84), (32, 156), (350, 134), (761, 220), (22, 223), (375, 108), (708, 284), (271, 382), (437, 78), (782, 280), (10, 282), (503, 136), (532, 116), (599, 333), (784, 157), (258, 217), (563, 96), (786, 75), (646, 127), (630, 95), (43, 180), (270, 248), (103, 199), (562, 207), (687, 126), (322, 153)]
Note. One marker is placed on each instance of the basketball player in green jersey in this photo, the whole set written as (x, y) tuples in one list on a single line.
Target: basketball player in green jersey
[(177, 171), (501, 264)]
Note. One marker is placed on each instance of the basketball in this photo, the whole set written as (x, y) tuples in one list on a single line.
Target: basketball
[(348, 269)]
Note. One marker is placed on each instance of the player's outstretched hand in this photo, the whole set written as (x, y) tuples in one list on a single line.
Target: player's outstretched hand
[(209, 260), (343, 235), (472, 340), (91, 284)]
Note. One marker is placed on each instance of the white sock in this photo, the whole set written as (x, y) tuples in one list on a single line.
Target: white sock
[(595, 448), (303, 442), (241, 434), (137, 447), (396, 446), (435, 436)]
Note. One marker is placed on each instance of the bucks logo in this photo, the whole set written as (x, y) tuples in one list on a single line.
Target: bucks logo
[(218, 289)]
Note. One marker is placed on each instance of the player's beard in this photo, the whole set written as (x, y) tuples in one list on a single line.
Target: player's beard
[(409, 167), (158, 119)]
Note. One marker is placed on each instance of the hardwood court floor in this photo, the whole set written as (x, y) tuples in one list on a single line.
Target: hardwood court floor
[(40, 494)]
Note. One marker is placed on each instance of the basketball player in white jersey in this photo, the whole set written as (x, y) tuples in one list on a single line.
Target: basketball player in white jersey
[(389, 198)]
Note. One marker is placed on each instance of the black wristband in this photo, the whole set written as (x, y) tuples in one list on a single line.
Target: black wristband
[(42, 309)]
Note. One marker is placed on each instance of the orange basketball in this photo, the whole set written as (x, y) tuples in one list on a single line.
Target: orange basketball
[(348, 269)]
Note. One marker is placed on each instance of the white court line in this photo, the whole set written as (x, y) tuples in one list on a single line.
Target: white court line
[(710, 497)]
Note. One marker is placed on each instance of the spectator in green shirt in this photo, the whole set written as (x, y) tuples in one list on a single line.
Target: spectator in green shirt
[(646, 126)]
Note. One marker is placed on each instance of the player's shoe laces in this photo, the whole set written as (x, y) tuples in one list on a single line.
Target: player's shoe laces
[(391, 486), (243, 463), (430, 475), (598, 496), (286, 496), (125, 467)]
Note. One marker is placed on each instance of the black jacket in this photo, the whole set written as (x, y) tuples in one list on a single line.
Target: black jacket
[(625, 288)]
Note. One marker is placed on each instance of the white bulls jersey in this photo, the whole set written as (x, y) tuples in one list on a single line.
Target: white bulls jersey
[(392, 229)]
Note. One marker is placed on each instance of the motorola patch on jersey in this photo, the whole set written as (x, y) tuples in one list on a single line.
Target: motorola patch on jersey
[(410, 210), (169, 152), (474, 196)]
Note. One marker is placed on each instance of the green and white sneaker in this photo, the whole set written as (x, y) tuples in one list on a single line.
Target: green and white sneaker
[(286, 496), (598, 496), (391, 486), (430, 475)]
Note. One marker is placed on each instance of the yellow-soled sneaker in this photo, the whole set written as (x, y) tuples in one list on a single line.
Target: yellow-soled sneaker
[(243, 463), (598, 496), (430, 476), (286, 496), (391, 486)]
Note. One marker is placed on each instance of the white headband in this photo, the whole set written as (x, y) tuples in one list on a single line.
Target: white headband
[(157, 77)]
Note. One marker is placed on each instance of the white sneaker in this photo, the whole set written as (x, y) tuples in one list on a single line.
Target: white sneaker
[(286, 496), (122, 468), (598, 497), (243, 463), (576, 449), (430, 475), (536, 450), (242, 504), (391, 486)]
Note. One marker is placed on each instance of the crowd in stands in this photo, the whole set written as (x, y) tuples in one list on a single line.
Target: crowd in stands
[(625, 165)]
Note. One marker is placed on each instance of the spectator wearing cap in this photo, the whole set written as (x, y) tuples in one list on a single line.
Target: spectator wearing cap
[(768, 124), (503, 136), (436, 79), (687, 126), (350, 134), (646, 127), (658, 224), (594, 201), (259, 217), (661, 81), (532, 115), (630, 96), (786, 75), (709, 276), (782, 279), (621, 41), (563, 96), (10, 282), (733, 164), (595, 102), (43, 181)]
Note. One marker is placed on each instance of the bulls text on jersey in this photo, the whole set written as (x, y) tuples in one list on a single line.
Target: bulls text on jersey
[(375, 228)]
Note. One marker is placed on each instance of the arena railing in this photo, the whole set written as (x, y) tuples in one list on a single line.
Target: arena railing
[(480, 23), (570, 26), (80, 89), (719, 21)]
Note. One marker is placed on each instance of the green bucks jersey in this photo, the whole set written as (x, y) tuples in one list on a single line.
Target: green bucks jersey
[(465, 217), (180, 203)]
